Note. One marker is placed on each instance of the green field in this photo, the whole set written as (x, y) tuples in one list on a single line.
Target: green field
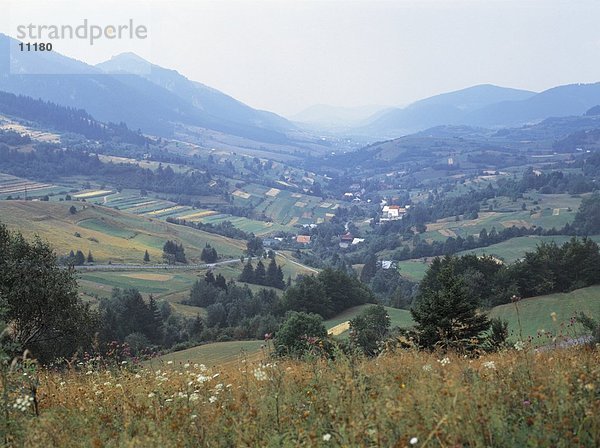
[(413, 269), (515, 248), (398, 317), (535, 313)]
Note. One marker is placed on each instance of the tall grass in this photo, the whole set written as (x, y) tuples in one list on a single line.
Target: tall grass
[(404, 399)]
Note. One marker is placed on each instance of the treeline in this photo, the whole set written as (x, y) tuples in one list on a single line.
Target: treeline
[(271, 276), (48, 162), (67, 119), (548, 269)]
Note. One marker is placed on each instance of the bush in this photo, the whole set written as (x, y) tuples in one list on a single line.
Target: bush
[(299, 333)]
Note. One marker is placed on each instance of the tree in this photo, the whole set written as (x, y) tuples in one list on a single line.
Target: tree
[(247, 274), (272, 279), (146, 256), (79, 258), (40, 300), (369, 269), (308, 295), (260, 275), (174, 252), (72, 210), (298, 333), (90, 257), (446, 315), (369, 328), (254, 246), (209, 254), (587, 219)]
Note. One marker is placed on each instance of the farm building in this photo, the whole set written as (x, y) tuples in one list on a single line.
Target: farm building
[(303, 239), (392, 212)]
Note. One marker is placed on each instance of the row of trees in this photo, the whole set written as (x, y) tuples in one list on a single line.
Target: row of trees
[(271, 276)]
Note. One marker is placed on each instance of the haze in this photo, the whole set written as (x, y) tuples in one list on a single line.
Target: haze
[(284, 56)]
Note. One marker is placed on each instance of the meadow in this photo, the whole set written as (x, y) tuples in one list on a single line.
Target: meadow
[(111, 235), (403, 399)]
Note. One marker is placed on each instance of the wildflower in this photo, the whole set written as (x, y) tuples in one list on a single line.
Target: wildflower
[(202, 378), (326, 437), (193, 416), (490, 365), (62, 383), (212, 399), (194, 396), (444, 361), (23, 403), (519, 346), (169, 363), (151, 394), (260, 375), (123, 363), (526, 403), (414, 441), (427, 367), (107, 383), (89, 372), (186, 365), (138, 376)]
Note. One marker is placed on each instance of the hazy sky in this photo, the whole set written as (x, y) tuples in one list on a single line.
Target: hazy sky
[(285, 55)]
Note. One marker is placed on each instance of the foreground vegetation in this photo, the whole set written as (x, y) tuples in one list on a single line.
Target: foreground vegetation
[(512, 398)]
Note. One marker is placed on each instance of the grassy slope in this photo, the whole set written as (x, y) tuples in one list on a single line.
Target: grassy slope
[(121, 237), (535, 312)]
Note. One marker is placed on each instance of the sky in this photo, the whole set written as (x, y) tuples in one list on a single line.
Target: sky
[(286, 55)]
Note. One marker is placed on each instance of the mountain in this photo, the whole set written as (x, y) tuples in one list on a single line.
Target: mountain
[(214, 103), (130, 98), (445, 109), (336, 116), (572, 99)]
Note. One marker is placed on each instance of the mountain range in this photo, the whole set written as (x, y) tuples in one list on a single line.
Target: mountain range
[(158, 101), (117, 91), (484, 106)]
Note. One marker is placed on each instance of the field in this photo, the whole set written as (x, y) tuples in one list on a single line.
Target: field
[(398, 318), (510, 399), (19, 187), (515, 248), (109, 234), (546, 211), (537, 318)]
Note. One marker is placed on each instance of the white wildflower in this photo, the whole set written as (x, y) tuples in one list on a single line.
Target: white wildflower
[(260, 375), (519, 346), (151, 394), (23, 403), (186, 365), (169, 363), (326, 437), (414, 441), (212, 399), (444, 361), (490, 365), (427, 368)]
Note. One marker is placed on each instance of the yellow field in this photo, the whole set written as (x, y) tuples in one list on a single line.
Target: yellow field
[(196, 215), (149, 276), (339, 329), (165, 210), (241, 194), (91, 194), (273, 192)]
